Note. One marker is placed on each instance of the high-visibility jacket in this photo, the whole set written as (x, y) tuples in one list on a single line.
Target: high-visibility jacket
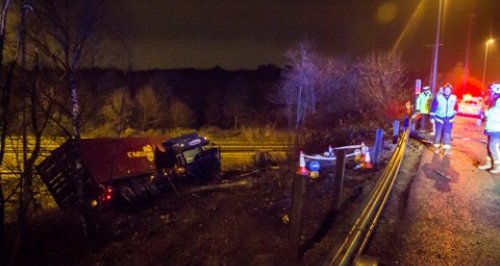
[(444, 107), (424, 100), (492, 118)]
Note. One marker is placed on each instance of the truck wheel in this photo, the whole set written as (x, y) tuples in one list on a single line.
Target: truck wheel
[(152, 189), (139, 189), (262, 159), (127, 194)]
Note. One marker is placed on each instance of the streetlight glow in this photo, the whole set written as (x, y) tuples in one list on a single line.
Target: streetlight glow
[(487, 44)]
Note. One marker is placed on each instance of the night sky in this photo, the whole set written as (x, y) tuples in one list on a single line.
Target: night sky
[(244, 34)]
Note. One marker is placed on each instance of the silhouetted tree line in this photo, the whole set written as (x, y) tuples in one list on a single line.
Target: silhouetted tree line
[(335, 91), (112, 101)]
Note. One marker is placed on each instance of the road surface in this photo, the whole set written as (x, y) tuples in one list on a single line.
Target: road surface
[(444, 211)]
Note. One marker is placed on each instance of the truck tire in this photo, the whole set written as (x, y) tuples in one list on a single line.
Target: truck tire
[(152, 189), (127, 194), (262, 159), (140, 189)]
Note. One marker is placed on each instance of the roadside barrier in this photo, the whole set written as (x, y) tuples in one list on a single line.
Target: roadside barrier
[(337, 155), (359, 234), (357, 239)]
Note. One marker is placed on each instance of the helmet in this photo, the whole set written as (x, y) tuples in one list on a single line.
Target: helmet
[(425, 88), (494, 89)]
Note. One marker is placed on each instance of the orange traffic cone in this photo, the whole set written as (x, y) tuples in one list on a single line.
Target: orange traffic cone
[(367, 162), (357, 158), (302, 170)]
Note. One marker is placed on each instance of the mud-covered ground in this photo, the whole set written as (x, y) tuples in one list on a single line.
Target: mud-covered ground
[(243, 219)]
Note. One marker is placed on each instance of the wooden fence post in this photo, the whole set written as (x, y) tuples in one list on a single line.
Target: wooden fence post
[(339, 179), (378, 146), (299, 185), (395, 134)]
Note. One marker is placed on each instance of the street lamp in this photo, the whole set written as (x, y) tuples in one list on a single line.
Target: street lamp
[(488, 42)]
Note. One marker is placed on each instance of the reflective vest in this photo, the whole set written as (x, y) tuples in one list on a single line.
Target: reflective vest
[(445, 107), (493, 119), (424, 102)]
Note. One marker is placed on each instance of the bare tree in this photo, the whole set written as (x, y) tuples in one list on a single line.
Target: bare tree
[(36, 122), (382, 82), (180, 115), (26, 179), (299, 86), (117, 111), (63, 31), (213, 112), (148, 107), (235, 101), (6, 85), (338, 83), (66, 33), (33, 122)]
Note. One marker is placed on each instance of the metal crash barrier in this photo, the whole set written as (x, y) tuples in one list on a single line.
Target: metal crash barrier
[(359, 234)]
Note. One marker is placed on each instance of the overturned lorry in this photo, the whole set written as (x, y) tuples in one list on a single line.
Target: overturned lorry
[(126, 168)]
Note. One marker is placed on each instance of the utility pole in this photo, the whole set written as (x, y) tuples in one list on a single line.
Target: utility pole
[(467, 51), (487, 44), (436, 49), (431, 73)]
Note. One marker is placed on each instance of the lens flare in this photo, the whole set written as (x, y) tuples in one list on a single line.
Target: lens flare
[(386, 12)]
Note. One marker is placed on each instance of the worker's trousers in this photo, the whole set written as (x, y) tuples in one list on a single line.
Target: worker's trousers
[(494, 148), (444, 125), (423, 121)]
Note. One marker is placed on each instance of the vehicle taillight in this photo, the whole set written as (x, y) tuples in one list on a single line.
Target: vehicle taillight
[(105, 196), (108, 194)]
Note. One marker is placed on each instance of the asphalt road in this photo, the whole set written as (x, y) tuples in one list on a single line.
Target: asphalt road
[(444, 211)]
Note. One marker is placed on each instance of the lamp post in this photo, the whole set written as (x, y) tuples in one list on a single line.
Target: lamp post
[(488, 42), (467, 51), (436, 49)]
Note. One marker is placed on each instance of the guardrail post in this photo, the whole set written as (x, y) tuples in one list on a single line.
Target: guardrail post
[(299, 185), (378, 146), (339, 179), (395, 134)]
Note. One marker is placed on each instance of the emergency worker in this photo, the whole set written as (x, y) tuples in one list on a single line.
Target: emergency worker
[(442, 114), (408, 113), (424, 101), (492, 130)]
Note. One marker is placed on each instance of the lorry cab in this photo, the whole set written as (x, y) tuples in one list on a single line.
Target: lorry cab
[(189, 156)]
